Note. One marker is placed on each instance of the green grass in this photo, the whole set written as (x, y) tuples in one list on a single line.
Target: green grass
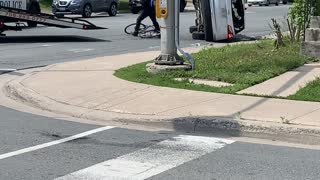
[(309, 93), (242, 65)]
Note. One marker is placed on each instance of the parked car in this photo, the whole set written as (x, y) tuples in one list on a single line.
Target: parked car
[(135, 5), (84, 7), (263, 2)]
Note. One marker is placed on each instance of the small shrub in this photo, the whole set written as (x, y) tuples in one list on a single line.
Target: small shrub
[(317, 8), (278, 32), (300, 14)]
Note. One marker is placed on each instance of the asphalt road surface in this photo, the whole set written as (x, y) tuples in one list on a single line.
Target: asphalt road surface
[(35, 148), (49, 45)]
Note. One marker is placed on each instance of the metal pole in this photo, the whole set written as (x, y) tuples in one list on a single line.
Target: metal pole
[(177, 21), (169, 54), (177, 36)]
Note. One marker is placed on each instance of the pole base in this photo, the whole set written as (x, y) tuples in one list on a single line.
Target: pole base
[(167, 59), (157, 68)]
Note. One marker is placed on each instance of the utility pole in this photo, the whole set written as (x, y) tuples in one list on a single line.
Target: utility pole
[(168, 13)]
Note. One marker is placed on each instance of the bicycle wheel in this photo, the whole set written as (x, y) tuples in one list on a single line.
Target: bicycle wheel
[(131, 27), (149, 28)]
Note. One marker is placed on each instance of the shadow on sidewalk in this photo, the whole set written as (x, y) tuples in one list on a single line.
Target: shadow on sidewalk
[(230, 126), (284, 87)]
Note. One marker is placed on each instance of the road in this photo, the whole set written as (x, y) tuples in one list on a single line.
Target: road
[(36, 147), (113, 153), (53, 45)]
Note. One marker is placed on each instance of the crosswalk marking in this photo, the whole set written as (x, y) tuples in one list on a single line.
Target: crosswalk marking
[(151, 161), (52, 143)]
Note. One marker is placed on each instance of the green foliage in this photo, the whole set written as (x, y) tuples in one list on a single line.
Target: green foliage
[(124, 5), (300, 14), (46, 5), (317, 8)]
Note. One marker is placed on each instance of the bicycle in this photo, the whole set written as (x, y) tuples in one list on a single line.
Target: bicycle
[(145, 31)]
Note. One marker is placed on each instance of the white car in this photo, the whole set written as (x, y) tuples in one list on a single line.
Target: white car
[(263, 2)]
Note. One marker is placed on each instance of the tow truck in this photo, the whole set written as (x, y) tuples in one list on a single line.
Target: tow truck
[(19, 12)]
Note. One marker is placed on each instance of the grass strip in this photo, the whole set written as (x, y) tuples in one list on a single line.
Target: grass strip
[(243, 65)]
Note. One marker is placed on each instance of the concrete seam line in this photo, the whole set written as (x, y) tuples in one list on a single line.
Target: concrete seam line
[(52, 143)]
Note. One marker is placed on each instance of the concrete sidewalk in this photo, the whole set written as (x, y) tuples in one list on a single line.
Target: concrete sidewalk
[(286, 84), (88, 89)]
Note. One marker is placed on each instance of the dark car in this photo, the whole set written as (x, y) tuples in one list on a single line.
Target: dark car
[(84, 7), (135, 5)]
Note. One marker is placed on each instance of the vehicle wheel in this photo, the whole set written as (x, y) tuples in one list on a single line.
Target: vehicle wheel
[(198, 35), (277, 4), (135, 10), (34, 9), (249, 5), (207, 23), (87, 11), (193, 29), (183, 5), (284, 2), (113, 9)]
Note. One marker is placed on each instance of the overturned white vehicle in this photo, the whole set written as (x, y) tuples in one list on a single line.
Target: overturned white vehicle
[(218, 19)]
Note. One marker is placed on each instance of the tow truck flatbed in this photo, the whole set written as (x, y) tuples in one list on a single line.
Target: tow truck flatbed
[(17, 15)]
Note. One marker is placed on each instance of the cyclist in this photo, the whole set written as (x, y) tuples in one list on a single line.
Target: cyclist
[(148, 10)]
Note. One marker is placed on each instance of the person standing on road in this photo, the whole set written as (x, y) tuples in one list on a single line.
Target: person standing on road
[(148, 10)]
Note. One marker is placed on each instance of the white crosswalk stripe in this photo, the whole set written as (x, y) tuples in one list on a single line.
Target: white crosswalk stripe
[(53, 143), (151, 161)]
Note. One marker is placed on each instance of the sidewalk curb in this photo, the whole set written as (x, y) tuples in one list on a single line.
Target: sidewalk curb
[(225, 125)]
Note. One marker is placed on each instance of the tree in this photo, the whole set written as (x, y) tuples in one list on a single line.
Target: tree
[(300, 15), (317, 8)]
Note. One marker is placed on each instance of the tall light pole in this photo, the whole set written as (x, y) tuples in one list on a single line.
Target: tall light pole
[(166, 11), (168, 60)]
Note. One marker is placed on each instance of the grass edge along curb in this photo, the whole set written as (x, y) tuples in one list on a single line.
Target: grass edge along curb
[(243, 65)]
